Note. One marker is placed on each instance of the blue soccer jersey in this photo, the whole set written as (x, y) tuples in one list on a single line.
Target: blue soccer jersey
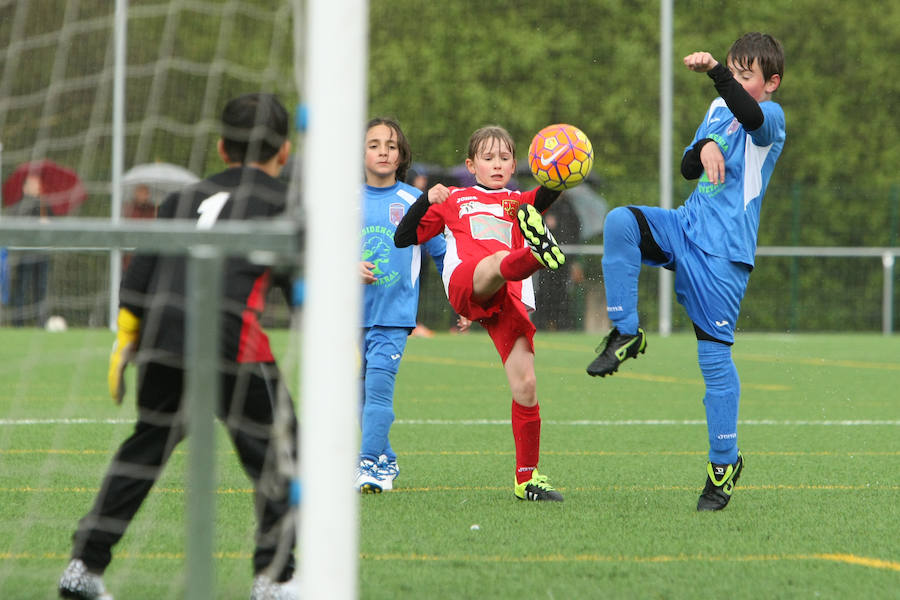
[(723, 219), (393, 300)]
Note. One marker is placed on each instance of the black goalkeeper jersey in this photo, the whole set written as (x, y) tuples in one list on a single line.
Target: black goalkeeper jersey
[(154, 286)]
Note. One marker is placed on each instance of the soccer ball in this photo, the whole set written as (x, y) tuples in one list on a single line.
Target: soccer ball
[(560, 156)]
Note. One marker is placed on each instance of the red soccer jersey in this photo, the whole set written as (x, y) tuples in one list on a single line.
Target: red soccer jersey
[(478, 222)]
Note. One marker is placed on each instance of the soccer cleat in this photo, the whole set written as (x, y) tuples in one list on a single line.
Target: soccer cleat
[(266, 589), (367, 479), (78, 582), (539, 238), (614, 349), (720, 480), (388, 471), (537, 489)]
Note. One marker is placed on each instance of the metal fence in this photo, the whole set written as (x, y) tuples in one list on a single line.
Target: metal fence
[(858, 295)]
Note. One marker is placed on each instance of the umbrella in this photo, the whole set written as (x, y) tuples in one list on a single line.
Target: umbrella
[(161, 178), (590, 207), (62, 189)]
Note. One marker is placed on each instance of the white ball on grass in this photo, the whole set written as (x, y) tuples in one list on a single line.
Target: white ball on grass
[(56, 324)]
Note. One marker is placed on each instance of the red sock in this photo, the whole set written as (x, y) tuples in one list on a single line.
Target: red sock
[(519, 264), (526, 426)]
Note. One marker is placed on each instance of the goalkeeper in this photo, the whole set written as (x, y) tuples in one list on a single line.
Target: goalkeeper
[(254, 404)]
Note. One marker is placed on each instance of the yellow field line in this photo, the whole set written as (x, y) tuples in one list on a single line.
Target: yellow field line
[(482, 364), (819, 362), (27, 489), (121, 555), (660, 488), (864, 561), (61, 451), (439, 360), (635, 453), (767, 358), (849, 454), (84, 451), (875, 563), (850, 559)]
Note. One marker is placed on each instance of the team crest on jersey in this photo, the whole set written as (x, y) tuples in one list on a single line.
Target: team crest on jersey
[(510, 207), (733, 126), (395, 213)]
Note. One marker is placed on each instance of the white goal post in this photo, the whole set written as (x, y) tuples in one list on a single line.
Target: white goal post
[(335, 94)]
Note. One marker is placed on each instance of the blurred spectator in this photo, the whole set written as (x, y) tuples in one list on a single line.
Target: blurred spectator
[(418, 178), (553, 311), (141, 205), (30, 270)]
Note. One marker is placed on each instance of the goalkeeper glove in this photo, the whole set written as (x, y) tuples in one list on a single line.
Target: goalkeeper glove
[(122, 352)]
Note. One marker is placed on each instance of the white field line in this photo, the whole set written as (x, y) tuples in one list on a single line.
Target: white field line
[(639, 422), (467, 422)]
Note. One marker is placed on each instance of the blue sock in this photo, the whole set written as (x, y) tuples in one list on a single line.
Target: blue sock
[(621, 268), (723, 392), (389, 452), (377, 413)]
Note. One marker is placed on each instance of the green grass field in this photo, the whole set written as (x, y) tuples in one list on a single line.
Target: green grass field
[(815, 515)]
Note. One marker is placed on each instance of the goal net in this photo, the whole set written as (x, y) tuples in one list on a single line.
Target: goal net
[(110, 106), (183, 60)]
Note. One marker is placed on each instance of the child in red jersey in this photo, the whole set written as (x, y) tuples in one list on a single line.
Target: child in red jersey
[(496, 239)]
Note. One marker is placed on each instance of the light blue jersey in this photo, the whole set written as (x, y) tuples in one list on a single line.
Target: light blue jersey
[(393, 300), (389, 310), (723, 219)]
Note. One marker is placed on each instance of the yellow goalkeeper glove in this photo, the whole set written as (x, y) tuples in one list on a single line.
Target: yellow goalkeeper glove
[(122, 352)]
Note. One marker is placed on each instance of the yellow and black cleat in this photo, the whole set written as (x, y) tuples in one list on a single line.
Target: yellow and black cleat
[(537, 489), (539, 238), (615, 349)]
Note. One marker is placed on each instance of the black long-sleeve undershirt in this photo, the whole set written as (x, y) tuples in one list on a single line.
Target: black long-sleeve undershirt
[(691, 167), (406, 230), (743, 106), (544, 198)]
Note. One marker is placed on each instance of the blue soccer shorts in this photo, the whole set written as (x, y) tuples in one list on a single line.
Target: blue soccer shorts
[(710, 288)]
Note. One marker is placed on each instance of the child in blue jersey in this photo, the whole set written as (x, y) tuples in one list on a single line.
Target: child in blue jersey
[(390, 298), (709, 241)]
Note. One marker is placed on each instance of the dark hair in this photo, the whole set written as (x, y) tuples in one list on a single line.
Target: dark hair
[(761, 47), (488, 134), (405, 158), (254, 126)]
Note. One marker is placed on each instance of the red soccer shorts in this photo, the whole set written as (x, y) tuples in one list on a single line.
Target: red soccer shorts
[(503, 315)]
